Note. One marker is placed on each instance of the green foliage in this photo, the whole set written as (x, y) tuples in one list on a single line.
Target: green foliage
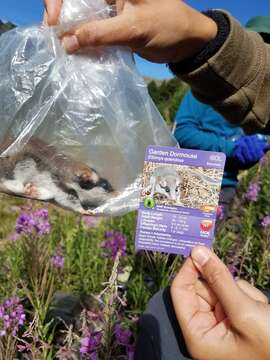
[(244, 242), (167, 96), (5, 26), (26, 270)]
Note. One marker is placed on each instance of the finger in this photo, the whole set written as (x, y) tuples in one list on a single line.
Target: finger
[(113, 31), (220, 280), (252, 292), (183, 293), (45, 18), (204, 291), (52, 10), (219, 313)]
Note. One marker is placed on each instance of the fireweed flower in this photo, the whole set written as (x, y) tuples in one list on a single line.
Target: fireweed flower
[(115, 242), (122, 335), (42, 224), (220, 212), (253, 191), (91, 221), (266, 221), (264, 160), (12, 316), (14, 236), (25, 224), (42, 213), (90, 345), (130, 352), (36, 222), (58, 261), (234, 271)]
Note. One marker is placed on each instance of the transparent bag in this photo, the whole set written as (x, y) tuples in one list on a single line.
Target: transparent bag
[(74, 128)]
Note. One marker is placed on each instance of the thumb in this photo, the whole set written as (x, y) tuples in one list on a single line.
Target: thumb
[(220, 280), (112, 31), (52, 11)]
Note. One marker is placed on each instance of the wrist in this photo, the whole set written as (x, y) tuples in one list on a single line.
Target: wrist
[(200, 30), (197, 60), (203, 30)]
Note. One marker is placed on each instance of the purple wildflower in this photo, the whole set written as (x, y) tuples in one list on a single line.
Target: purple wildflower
[(25, 224), (57, 261), (253, 191), (234, 271), (130, 353), (33, 222), (122, 335), (266, 221), (115, 242), (90, 345), (14, 236), (12, 316), (42, 225), (42, 213), (220, 212), (264, 160), (43, 228), (91, 221)]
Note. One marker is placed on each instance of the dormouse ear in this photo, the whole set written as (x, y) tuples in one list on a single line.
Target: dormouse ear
[(85, 181), (84, 175), (162, 181)]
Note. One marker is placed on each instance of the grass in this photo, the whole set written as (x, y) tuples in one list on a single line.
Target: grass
[(108, 291)]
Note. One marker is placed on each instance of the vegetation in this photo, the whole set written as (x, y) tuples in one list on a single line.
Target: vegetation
[(167, 96), (73, 287), (45, 256), (5, 26), (50, 258)]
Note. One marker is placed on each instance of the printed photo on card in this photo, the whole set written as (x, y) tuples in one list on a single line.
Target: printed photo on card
[(179, 199)]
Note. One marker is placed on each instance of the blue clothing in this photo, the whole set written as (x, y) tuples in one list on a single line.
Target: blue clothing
[(199, 126), (249, 150)]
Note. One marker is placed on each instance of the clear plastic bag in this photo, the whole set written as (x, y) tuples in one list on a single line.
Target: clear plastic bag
[(74, 128)]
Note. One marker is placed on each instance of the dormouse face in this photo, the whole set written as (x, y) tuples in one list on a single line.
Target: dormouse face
[(169, 186), (90, 188)]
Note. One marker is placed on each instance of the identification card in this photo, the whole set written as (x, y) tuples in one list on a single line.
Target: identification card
[(179, 199)]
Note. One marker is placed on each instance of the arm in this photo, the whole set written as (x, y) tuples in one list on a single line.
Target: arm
[(188, 132), (236, 79), (191, 132)]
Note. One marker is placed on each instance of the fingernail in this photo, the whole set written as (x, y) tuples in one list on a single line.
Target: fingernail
[(200, 255), (70, 43)]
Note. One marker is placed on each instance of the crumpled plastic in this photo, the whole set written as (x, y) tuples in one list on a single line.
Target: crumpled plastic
[(74, 128)]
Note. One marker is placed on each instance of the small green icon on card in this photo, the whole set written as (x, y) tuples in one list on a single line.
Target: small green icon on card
[(149, 203)]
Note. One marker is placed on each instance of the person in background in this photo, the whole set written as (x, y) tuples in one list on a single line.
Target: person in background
[(199, 126)]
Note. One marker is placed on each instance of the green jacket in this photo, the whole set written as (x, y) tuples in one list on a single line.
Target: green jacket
[(236, 80)]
